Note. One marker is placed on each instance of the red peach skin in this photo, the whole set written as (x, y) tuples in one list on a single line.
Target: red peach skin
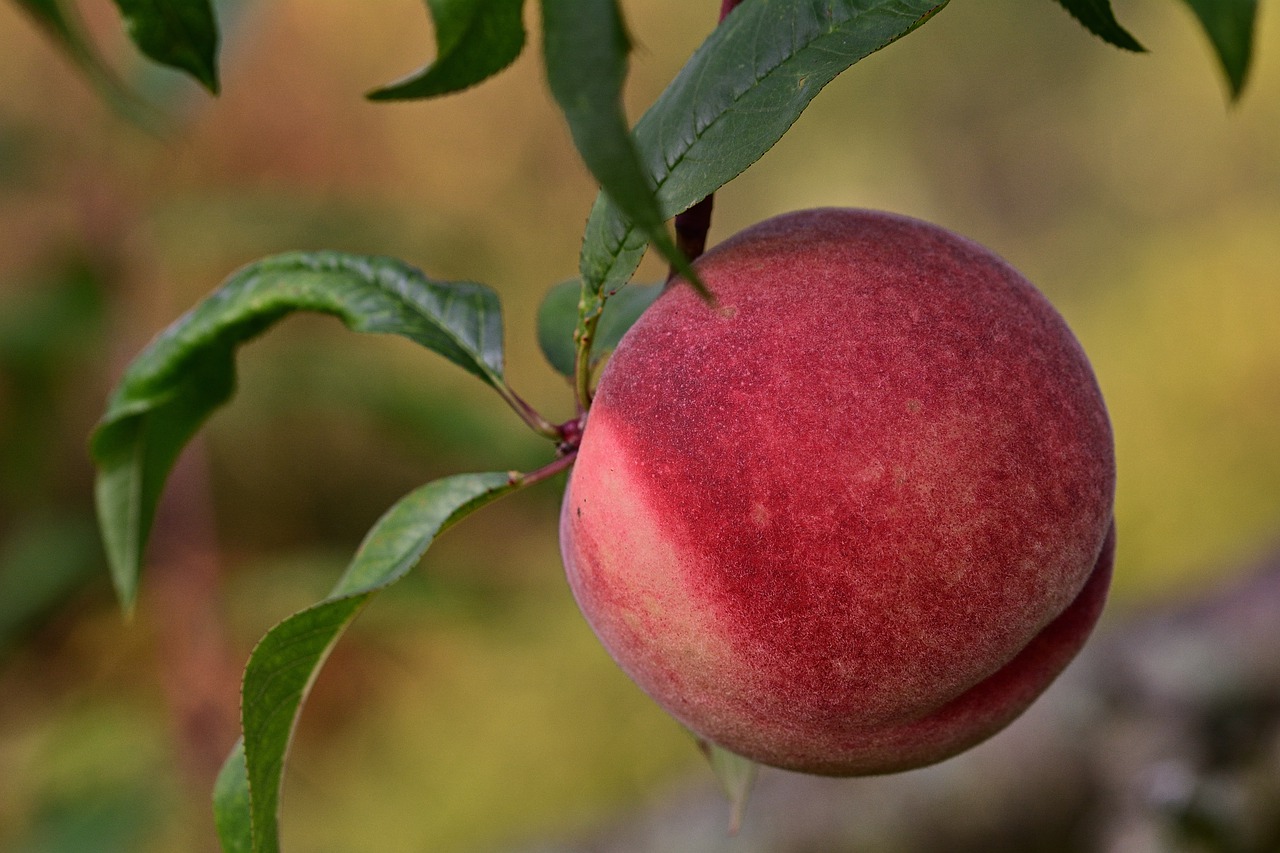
[(856, 516)]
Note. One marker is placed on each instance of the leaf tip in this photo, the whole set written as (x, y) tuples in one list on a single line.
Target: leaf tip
[(1098, 19), (204, 70), (124, 579), (211, 82), (703, 291), (1129, 43), (1237, 76), (415, 87), (737, 778), (690, 276), (403, 89), (1235, 89)]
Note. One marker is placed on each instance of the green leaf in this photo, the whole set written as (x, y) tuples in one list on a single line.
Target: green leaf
[(189, 370), (285, 664), (737, 777), (558, 317), (736, 97), (231, 815), (620, 314), (1096, 16), (475, 39), (182, 34), (1230, 27), (585, 48)]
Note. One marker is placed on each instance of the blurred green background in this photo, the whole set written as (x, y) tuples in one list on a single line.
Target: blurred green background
[(470, 707)]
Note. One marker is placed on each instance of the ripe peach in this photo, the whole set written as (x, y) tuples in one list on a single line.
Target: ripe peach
[(856, 516)]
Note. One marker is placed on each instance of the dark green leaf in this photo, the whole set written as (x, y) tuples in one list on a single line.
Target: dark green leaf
[(1097, 18), (1230, 25), (182, 34), (734, 99), (189, 370), (585, 47), (620, 314), (558, 317), (284, 665), (475, 39)]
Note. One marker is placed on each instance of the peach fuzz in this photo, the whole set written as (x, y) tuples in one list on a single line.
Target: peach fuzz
[(856, 516)]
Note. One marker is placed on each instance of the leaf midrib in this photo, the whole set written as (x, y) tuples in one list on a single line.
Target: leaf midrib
[(320, 266)]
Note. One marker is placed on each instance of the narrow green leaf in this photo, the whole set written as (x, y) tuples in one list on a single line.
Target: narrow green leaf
[(558, 317), (475, 39), (231, 815), (285, 664), (1096, 16), (182, 34), (585, 48), (737, 95), (189, 370), (1230, 26), (737, 777)]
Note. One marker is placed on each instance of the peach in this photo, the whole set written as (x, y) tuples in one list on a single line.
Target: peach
[(857, 515)]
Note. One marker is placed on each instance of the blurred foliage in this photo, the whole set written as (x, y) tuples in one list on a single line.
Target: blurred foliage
[(43, 561), (102, 786), (51, 329), (471, 707)]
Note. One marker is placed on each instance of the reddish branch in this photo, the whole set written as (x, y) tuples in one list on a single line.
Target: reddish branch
[(197, 667)]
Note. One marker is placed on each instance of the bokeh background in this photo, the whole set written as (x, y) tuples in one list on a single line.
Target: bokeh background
[(470, 709)]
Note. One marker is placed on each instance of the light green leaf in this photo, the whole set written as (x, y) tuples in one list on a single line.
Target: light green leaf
[(231, 816), (585, 48), (475, 39), (736, 97), (182, 34), (285, 664), (737, 778), (1096, 17), (558, 317), (1230, 26), (189, 370)]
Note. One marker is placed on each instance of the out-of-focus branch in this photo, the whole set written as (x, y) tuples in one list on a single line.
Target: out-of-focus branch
[(197, 670)]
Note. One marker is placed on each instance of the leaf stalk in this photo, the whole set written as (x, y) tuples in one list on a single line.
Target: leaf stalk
[(590, 308), (529, 414), (546, 472)]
